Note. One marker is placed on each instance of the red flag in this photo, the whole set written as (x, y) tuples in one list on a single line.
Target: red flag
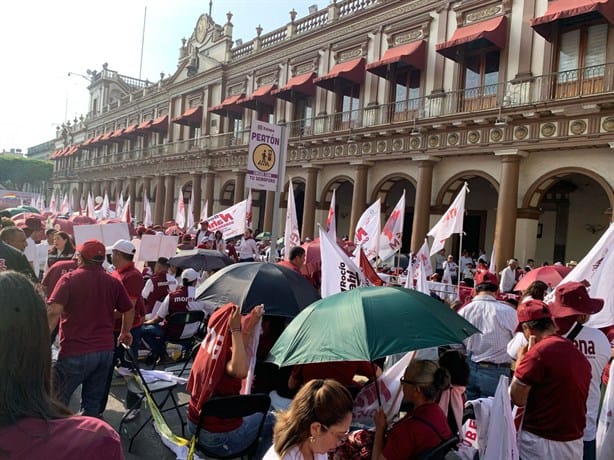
[(368, 270)]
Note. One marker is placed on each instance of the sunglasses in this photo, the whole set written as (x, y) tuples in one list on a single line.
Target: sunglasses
[(340, 436)]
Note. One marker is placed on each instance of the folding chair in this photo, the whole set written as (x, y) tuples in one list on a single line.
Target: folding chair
[(183, 370), (236, 406), (176, 324), (140, 387)]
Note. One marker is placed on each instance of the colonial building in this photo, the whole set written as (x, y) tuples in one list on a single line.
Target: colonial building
[(513, 97)]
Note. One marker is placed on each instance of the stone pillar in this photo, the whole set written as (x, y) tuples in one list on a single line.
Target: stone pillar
[(197, 195), (359, 199), (524, 51), (119, 184), (97, 188), (505, 226), (87, 189), (239, 186), (422, 206), (107, 189), (268, 211), (77, 202), (169, 202), (132, 195), (160, 195), (209, 197), (309, 208)]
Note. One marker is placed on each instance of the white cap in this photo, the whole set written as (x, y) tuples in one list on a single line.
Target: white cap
[(124, 246), (189, 274)]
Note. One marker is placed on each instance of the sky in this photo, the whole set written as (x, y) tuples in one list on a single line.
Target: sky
[(43, 41)]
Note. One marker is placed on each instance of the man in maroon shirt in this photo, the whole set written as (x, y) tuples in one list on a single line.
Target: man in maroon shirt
[(158, 286), (551, 382), (84, 302)]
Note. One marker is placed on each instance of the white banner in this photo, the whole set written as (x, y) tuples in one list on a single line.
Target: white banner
[(190, 217), (154, 246), (390, 240), (331, 220), (424, 256), (368, 230), (180, 214), (605, 428), (339, 272), (265, 156), (292, 236), (107, 234), (451, 222), (125, 215), (105, 209), (91, 209), (231, 221), (147, 216)]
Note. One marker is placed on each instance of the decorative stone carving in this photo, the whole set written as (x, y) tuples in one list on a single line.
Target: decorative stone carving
[(521, 132), (608, 124), (480, 15), (473, 137), (381, 146), (548, 129), (577, 127), (496, 135), (397, 145), (453, 138)]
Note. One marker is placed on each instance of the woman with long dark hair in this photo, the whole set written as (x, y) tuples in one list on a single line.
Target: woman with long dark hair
[(33, 424), (62, 249)]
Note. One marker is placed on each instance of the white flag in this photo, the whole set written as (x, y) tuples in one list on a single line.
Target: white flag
[(230, 221), (180, 215), (451, 222), (368, 230), (91, 209), (331, 220), (33, 201), (248, 209), (409, 281), (65, 209), (605, 427), (119, 205), (105, 210), (491, 267), (339, 272), (421, 282), (292, 236), (424, 256), (125, 215), (390, 240), (52, 203), (597, 267), (203, 213), (147, 219), (190, 221)]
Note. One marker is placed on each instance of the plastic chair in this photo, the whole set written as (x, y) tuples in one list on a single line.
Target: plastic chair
[(140, 387), (236, 406)]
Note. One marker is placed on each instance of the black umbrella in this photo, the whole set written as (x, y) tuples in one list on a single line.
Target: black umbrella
[(200, 259), (283, 291)]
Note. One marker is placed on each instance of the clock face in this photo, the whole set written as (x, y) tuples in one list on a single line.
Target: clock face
[(201, 29)]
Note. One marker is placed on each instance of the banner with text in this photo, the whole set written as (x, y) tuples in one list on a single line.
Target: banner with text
[(231, 221), (265, 157)]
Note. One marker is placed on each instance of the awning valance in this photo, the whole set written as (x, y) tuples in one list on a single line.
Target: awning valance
[(409, 55), (229, 107), (349, 73), (297, 86), (130, 130), (191, 117), (566, 9), (261, 99), (160, 124), (490, 32)]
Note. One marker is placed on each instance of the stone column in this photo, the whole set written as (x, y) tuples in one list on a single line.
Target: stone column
[(77, 202), (107, 189), (268, 211), (239, 186), (422, 206), (524, 51), (87, 189), (119, 184), (97, 188), (209, 197), (505, 226), (169, 202), (359, 199), (132, 195), (160, 195), (309, 208), (197, 195)]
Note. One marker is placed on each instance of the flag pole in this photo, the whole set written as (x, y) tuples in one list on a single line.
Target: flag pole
[(460, 252)]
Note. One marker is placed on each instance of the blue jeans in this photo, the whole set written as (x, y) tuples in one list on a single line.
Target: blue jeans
[(237, 440), (153, 335), (590, 450), (483, 381), (89, 370)]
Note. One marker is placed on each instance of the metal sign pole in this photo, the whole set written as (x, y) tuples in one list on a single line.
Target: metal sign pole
[(280, 184)]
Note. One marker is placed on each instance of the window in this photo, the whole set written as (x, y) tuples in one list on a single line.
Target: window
[(237, 131), (348, 107), (303, 115), (581, 60), (405, 94), (481, 80)]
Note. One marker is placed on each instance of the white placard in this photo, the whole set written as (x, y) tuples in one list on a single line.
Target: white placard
[(265, 157), (108, 234), (154, 246)]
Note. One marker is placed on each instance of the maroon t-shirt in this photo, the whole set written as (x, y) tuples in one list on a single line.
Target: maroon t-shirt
[(160, 290), (89, 296), (410, 437), (71, 438), (177, 303), (54, 274), (559, 376), (133, 281)]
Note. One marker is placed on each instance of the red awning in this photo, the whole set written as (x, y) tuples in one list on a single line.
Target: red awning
[(62, 152), (72, 150), (116, 135), (566, 9), (349, 72), (260, 99), (130, 130), (55, 154), (96, 139), (160, 124), (412, 55), (87, 142), (299, 85), (191, 117), (492, 32), (229, 107)]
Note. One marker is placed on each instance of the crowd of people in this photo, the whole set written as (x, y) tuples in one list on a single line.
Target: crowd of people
[(95, 299)]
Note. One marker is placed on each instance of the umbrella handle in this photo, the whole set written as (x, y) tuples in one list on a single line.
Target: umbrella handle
[(379, 396)]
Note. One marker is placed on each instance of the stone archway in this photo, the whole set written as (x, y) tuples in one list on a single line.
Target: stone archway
[(344, 190), (299, 198), (227, 193)]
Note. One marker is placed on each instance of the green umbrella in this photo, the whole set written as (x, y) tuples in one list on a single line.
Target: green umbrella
[(263, 236), (368, 323)]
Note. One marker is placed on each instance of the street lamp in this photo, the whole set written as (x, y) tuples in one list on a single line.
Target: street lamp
[(75, 74)]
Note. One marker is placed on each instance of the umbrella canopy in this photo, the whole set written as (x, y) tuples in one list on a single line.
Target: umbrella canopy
[(283, 291), (368, 323), (201, 259), (550, 274), (263, 236), (313, 258), (82, 220)]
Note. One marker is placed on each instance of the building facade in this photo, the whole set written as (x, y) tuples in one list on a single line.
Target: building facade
[(513, 97)]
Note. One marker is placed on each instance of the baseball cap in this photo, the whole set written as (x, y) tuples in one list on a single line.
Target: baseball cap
[(484, 277), (124, 246), (531, 310), (163, 261), (92, 250), (189, 274), (572, 299)]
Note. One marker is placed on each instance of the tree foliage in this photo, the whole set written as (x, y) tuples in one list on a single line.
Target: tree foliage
[(15, 171)]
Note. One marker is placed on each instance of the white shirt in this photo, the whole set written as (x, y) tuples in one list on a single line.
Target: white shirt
[(42, 250), (497, 321), (248, 248), (193, 305), (508, 279), (292, 454), (31, 253)]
